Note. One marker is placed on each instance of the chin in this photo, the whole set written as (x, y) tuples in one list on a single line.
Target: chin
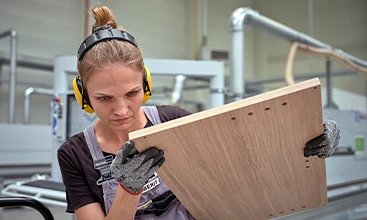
[(120, 127)]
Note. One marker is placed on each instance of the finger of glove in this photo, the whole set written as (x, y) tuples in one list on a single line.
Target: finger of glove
[(311, 152), (150, 153), (158, 157), (314, 143), (159, 163), (123, 153)]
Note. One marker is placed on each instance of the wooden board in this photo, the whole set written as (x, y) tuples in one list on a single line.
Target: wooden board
[(244, 160)]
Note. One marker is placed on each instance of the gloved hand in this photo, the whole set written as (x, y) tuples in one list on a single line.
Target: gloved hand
[(132, 169), (324, 145)]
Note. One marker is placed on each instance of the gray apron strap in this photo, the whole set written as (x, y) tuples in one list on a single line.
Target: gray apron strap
[(152, 114), (103, 165)]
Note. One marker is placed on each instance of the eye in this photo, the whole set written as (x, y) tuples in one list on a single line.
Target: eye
[(103, 98), (132, 93)]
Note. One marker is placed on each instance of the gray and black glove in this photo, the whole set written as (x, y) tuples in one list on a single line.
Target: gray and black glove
[(132, 169), (324, 145)]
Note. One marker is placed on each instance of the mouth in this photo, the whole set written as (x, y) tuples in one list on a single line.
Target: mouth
[(121, 120)]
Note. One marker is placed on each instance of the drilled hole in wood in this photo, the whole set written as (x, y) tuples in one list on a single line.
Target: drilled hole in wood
[(315, 87), (307, 161), (250, 113), (307, 166), (284, 103), (281, 212), (145, 137), (267, 109), (304, 207), (292, 209), (271, 215), (233, 118)]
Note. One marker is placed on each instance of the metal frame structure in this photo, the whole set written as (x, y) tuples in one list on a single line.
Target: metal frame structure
[(46, 196), (13, 65)]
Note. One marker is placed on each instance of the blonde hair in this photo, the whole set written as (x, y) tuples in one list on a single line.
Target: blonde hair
[(108, 52)]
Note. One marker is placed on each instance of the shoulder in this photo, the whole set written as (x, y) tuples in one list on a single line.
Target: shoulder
[(73, 142), (72, 149), (169, 112)]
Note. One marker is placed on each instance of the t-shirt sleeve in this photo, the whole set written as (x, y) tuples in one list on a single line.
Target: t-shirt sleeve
[(78, 193)]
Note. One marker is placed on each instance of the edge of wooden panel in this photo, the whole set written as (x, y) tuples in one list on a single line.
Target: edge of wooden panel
[(314, 82)]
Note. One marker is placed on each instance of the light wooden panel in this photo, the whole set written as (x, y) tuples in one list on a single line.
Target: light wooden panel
[(244, 160)]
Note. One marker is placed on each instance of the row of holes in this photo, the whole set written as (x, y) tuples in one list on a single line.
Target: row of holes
[(266, 109), (281, 212)]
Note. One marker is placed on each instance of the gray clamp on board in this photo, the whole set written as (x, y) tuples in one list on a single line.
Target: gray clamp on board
[(103, 166)]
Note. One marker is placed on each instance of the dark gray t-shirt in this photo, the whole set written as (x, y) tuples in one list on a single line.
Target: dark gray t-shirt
[(76, 164)]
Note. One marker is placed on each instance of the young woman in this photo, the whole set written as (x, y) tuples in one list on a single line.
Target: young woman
[(104, 175)]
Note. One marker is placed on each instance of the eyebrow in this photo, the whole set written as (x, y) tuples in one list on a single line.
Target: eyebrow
[(103, 94)]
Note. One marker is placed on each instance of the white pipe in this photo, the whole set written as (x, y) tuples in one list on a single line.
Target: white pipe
[(30, 62), (217, 89), (237, 54), (27, 94), (247, 16), (12, 71), (178, 88)]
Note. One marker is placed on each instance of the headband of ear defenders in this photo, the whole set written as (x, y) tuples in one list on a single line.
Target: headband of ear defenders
[(104, 35)]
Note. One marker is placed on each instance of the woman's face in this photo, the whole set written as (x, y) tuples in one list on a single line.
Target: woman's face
[(116, 94)]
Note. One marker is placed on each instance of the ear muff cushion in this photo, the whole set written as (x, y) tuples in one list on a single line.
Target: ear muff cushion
[(78, 88), (148, 86)]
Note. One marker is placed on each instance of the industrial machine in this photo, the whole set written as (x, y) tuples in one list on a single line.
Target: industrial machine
[(346, 169)]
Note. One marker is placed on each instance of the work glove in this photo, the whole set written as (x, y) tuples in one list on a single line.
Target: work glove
[(324, 145), (132, 169)]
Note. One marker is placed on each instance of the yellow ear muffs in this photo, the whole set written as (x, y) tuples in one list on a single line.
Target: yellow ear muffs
[(81, 98), (147, 83)]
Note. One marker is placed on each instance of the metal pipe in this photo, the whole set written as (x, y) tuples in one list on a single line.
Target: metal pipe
[(346, 184), (177, 89), (12, 71), (27, 94), (21, 201), (1, 75), (247, 16), (32, 84), (300, 76), (329, 86), (30, 62), (237, 54)]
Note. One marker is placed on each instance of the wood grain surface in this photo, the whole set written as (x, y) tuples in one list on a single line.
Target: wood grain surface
[(244, 160)]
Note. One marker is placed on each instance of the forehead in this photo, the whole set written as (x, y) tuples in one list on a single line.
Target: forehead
[(114, 80), (115, 75)]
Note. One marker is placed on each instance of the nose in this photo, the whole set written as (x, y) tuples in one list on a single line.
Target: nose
[(121, 107)]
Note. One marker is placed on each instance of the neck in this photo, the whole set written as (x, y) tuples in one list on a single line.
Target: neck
[(111, 140)]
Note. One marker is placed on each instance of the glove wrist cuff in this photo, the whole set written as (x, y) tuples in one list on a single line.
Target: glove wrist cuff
[(131, 193)]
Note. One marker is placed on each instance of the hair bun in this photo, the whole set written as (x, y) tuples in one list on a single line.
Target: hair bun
[(104, 18)]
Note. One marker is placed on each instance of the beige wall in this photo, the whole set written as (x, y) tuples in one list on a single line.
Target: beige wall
[(166, 29)]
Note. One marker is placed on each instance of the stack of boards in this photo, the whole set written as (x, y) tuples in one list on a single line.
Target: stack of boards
[(244, 160)]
